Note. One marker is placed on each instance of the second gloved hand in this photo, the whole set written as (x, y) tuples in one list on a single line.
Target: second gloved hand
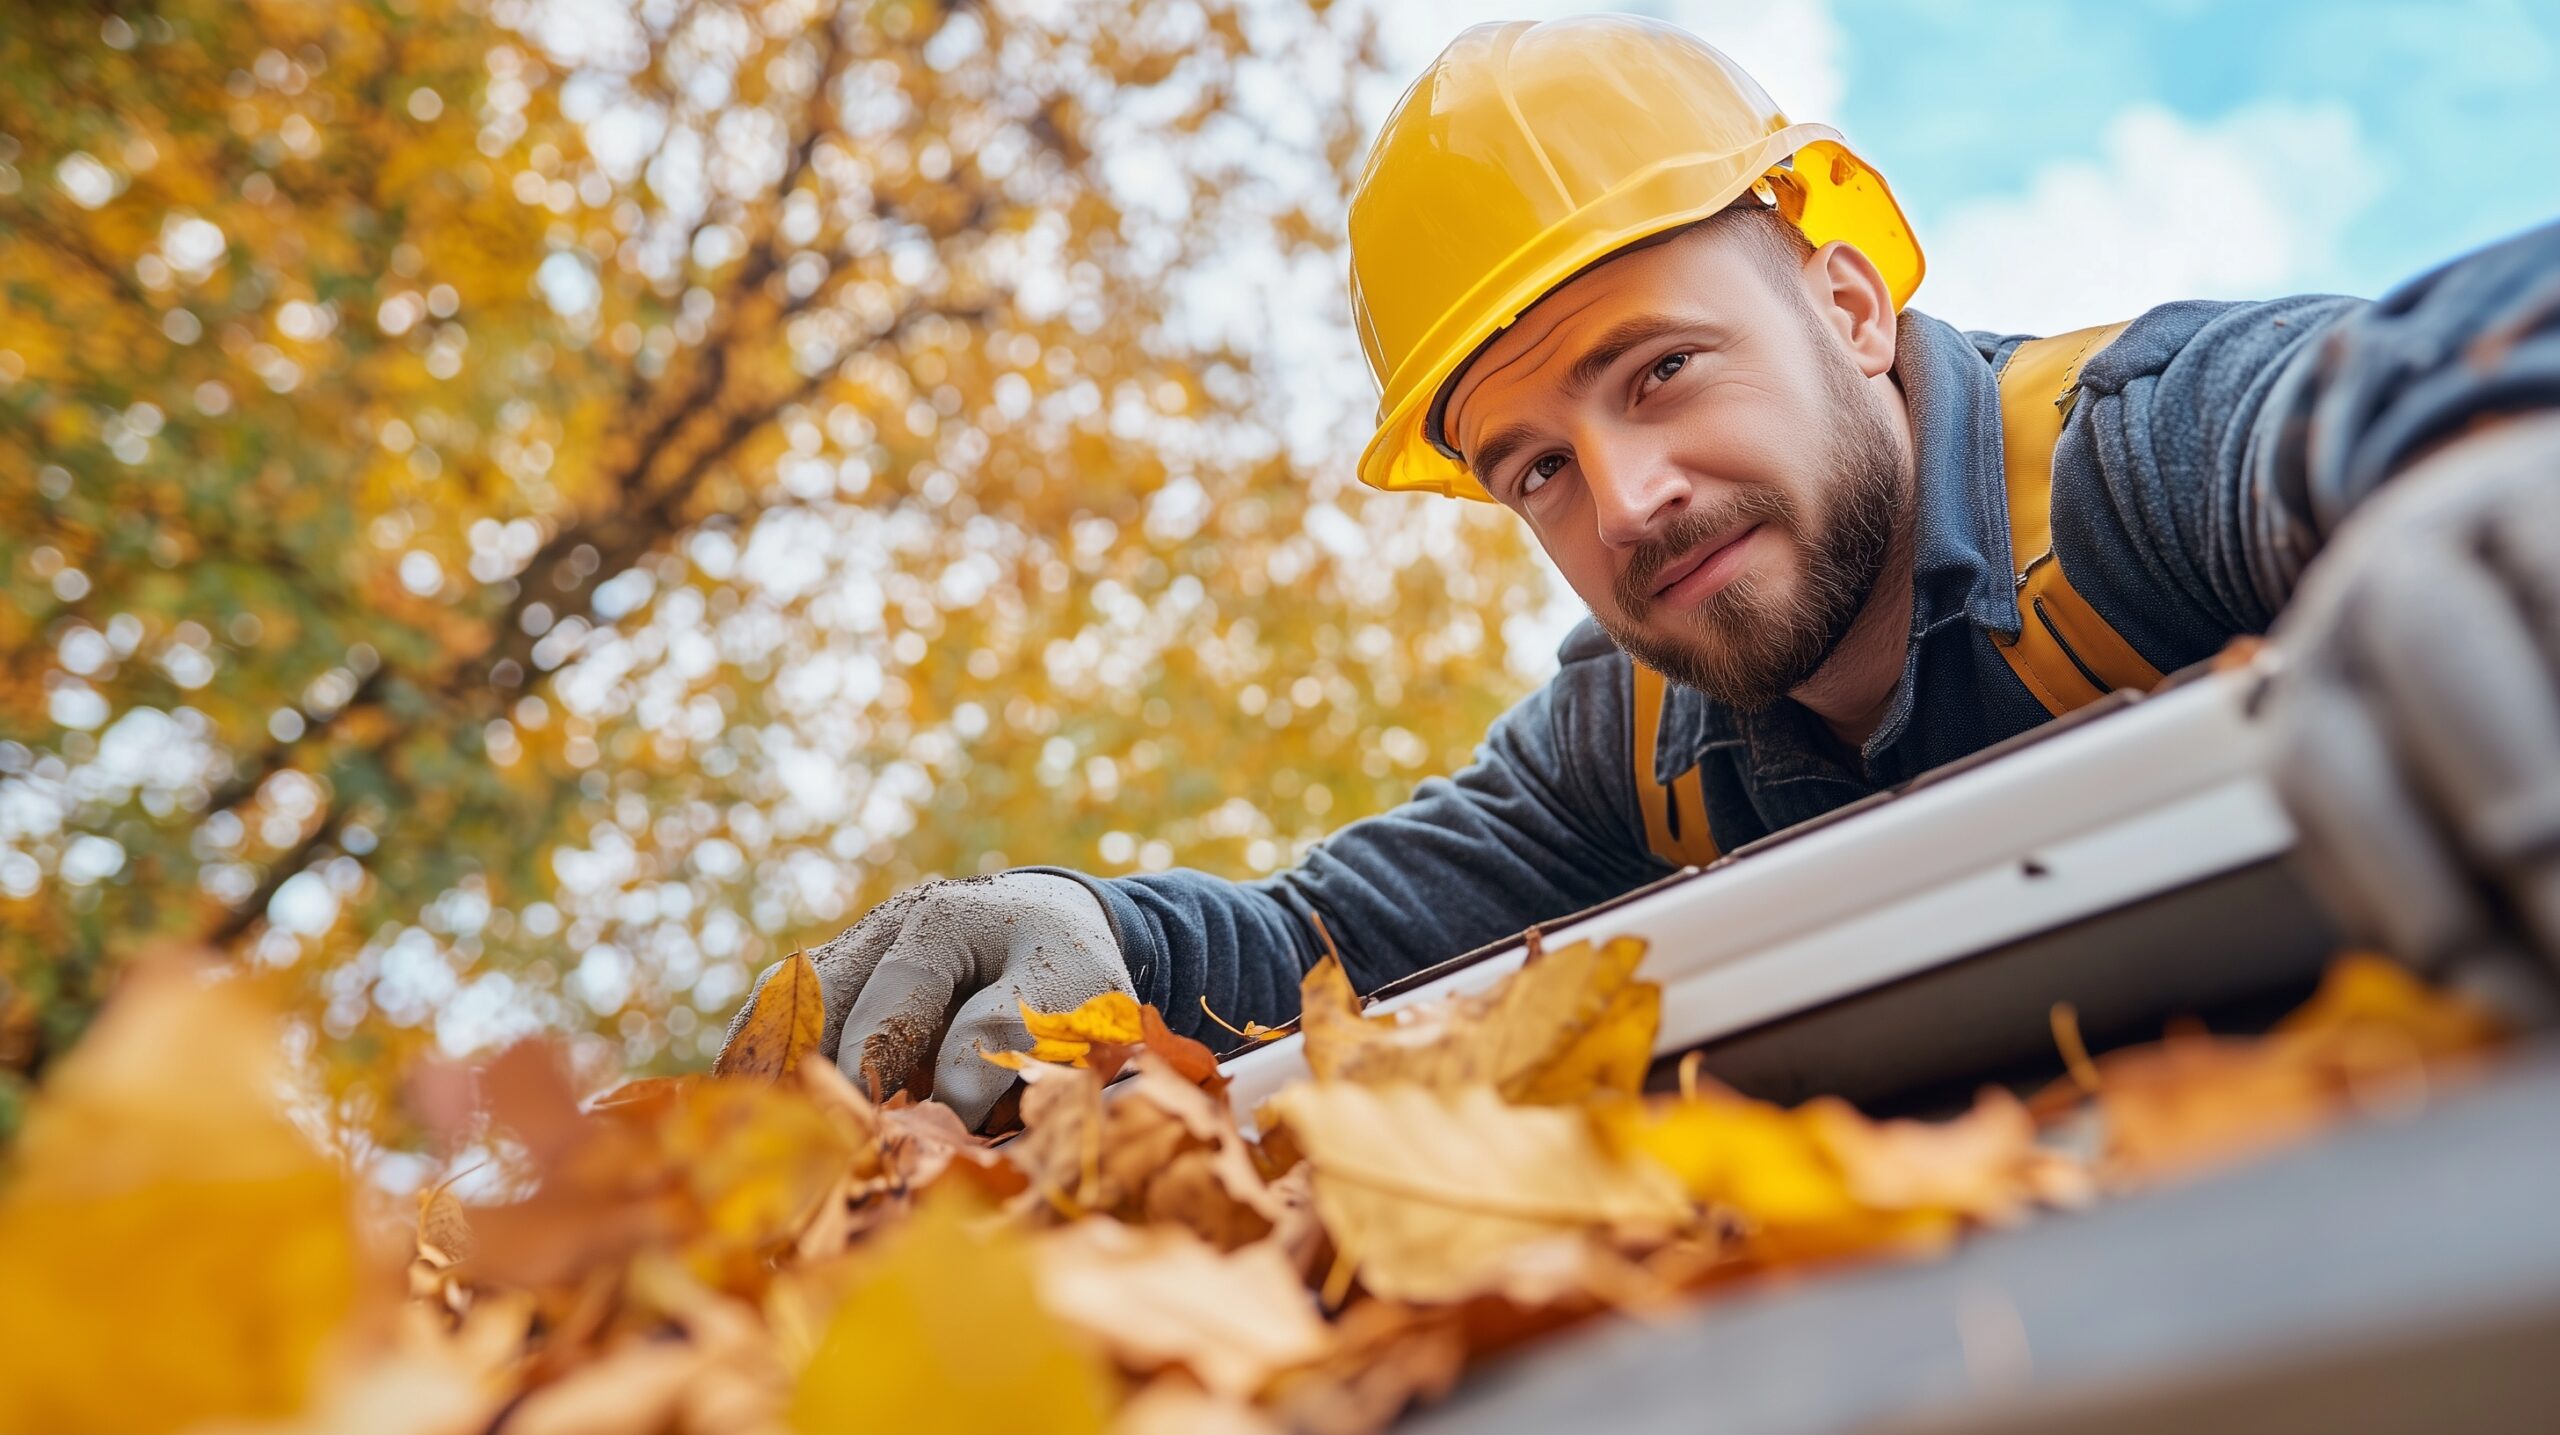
[(2417, 713), (973, 950)]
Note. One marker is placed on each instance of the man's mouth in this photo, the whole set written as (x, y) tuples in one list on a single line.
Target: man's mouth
[(1695, 576)]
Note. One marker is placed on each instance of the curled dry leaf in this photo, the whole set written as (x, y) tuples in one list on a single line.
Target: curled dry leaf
[(784, 1023), (1571, 1023), (1432, 1194), (1160, 1148), (444, 1232), (1158, 1296)]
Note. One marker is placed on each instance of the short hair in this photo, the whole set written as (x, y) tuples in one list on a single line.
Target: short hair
[(1775, 242)]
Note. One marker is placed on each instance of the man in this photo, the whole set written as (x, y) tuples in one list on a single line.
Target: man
[(1604, 282)]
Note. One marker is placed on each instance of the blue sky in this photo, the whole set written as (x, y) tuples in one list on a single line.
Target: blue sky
[(2068, 162)]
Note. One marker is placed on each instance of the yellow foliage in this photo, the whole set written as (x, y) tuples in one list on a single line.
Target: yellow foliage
[(2372, 1037), (1067, 1038), (943, 1330), (173, 1249), (1569, 1023), (784, 1024), (1437, 1195)]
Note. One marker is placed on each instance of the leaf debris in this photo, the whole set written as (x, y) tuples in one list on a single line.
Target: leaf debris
[(767, 1249)]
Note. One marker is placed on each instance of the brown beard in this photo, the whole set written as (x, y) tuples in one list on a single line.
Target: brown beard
[(1746, 646)]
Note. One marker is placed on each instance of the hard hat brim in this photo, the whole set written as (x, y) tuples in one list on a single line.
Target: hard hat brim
[(1829, 192)]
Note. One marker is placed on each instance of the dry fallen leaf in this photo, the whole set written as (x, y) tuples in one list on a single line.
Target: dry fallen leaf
[(173, 1250), (789, 1016), (1570, 1023), (774, 1249), (2363, 992), (1763, 1169), (720, 1170), (2373, 1037), (1171, 1408), (1104, 1034), (637, 1387), (1386, 1357), (1433, 1194), (1110, 1019), (944, 1331), (1158, 1296), (1984, 1165)]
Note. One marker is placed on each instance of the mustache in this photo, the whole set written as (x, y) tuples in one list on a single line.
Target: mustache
[(1690, 528)]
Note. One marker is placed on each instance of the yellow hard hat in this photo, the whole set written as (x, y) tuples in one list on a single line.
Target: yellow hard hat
[(1528, 152)]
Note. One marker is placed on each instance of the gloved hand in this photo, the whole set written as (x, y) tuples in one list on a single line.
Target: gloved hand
[(934, 974), (2417, 709)]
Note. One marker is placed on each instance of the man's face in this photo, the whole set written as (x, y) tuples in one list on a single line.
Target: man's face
[(1692, 440)]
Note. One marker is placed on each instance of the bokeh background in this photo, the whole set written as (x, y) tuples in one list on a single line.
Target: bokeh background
[(515, 514)]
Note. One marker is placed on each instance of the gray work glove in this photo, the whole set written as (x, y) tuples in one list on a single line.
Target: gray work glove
[(2416, 711), (935, 973)]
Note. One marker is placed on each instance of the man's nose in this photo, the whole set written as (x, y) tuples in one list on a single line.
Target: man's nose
[(1635, 489)]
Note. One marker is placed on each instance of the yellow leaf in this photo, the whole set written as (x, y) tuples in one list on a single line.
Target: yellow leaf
[(2369, 992), (758, 1160), (1435, 1194), (1159, 1295), (1611, 1055), (789, 1015), (1067, 1038), (945, 1331), (172, 1249), (1569, 1024), (1767, 1169), (2373, 1036), (1747, 1157)]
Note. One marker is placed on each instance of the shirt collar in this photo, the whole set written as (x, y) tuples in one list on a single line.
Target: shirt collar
[(1960, 549)]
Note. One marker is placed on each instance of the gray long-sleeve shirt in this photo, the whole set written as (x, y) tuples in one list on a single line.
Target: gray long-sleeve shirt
[(2213, 450)]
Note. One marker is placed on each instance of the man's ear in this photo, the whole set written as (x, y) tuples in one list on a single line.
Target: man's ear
[(1854, 301)]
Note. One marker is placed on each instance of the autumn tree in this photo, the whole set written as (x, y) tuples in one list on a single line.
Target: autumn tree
[(521, 516)]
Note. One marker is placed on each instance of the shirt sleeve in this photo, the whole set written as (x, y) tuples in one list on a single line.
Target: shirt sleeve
[(1543, 823), (2215, 448)]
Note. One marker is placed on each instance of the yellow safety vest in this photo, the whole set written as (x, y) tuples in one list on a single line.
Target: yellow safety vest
[(2065, 653)]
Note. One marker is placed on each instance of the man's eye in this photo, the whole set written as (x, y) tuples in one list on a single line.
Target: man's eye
[(1539, 472), (1666, 366)]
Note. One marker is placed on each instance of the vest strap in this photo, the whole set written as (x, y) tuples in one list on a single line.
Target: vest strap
[(2065, 653), (1675, 817)]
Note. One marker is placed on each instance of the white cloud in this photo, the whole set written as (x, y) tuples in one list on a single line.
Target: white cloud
[(2249, 206), (1792, 47)]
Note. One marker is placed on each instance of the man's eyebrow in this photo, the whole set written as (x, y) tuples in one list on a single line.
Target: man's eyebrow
[(1586, 371), (1613, 346), (1503, 444)]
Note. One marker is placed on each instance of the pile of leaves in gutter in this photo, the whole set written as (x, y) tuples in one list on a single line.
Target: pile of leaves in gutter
[(768, 1249)]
